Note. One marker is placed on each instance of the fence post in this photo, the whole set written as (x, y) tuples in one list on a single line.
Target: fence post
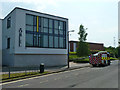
[(9, 72)]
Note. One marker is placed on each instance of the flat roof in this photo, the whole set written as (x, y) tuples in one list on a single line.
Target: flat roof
[(87, 42), (35, 12)]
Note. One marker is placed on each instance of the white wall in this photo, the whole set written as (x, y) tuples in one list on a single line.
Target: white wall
[(7, 55), (0, 42)]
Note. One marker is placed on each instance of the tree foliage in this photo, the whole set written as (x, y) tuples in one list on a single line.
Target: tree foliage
[(83, 48)]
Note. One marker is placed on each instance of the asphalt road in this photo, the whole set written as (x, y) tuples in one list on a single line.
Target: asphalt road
[(89, 77)]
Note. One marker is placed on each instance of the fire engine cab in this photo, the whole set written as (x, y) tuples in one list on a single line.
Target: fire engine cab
[(100, 58)]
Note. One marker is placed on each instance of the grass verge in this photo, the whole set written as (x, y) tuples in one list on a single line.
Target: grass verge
[(15, 76), (111, 58), (86, 60)]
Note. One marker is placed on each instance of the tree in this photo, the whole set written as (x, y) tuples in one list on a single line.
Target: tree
[(83, 48)]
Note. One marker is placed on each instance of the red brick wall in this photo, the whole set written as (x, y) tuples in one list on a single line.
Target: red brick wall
[(92, 46)]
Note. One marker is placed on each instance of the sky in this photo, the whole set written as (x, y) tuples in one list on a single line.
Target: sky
[(99, 16)]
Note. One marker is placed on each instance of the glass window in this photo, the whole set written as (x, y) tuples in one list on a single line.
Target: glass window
[(29, 28), (56, 31), (46, 30), (39, 21), (50, 41), (35, 28), (51, 31), (29, 19), (45, 22), (64, 42), (39, 40), (61, 32), (29, 39), (35, 20), (56, 42), (61, 42), (35, 40), (61, 25), (45, 41), (56, 24), (50, 23), (9, 22)]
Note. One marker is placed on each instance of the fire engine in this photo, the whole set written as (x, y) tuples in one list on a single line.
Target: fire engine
[(100, 58)]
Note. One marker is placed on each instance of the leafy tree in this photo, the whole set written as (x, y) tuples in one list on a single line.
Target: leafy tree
[(83, 48)]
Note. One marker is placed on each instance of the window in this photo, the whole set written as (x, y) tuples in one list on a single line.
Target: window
[(61, 42), (45, 41), (29, 40), (44, 32), (56, 42), (8, 43), (29, 19), (45, 22), (9, 22), (51, 41), (56, 24)]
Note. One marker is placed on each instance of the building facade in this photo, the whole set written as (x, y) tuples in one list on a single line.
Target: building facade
[(0, 42), (31, 38), (93, 46)]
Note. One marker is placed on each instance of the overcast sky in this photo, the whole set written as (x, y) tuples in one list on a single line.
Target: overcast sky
[(99, 16)]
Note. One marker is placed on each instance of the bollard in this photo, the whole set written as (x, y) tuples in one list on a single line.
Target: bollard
[(41, 67)]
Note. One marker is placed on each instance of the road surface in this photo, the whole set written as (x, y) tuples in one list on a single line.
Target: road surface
[(88, 77)]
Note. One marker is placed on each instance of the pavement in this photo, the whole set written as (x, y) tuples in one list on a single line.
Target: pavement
[(52, 69), (72, 65), (87, 77)]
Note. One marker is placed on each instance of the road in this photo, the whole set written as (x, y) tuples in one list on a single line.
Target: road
[(89, 77)]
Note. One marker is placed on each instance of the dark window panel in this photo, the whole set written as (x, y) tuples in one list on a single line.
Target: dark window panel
[(56, 31), (45, 22), (50, 31), (29, 28), (45, 30), (29, 39), (29, 19), (45, 41), (61, 42), (56, 42), (61, 25), (55, 24), (51, 41), (35, 20), (50, 23)]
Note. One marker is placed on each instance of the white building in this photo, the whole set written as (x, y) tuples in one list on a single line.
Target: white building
[(31, 38), (0, 42)]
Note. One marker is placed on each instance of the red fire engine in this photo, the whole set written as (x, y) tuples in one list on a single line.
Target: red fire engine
[(100, 58)]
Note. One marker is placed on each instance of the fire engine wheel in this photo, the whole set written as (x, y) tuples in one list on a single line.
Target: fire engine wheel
[(94, 65), (108, 62)]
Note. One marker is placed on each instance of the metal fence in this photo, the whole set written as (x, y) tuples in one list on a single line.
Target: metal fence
[(11, 72)]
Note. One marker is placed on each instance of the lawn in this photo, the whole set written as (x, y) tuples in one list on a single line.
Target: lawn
[(14, 76)]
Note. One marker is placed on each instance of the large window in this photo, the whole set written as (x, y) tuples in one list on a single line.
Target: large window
[(45, 32)]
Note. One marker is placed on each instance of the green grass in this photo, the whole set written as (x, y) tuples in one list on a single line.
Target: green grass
[(82, 60), (72, 53), (14, 76), (73, 57), (111, 58)]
